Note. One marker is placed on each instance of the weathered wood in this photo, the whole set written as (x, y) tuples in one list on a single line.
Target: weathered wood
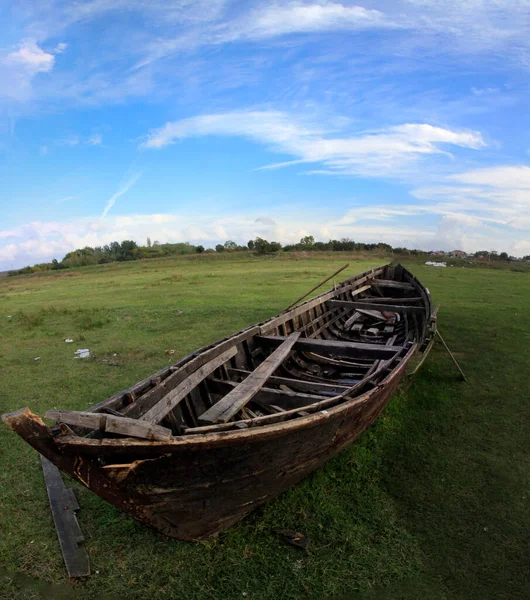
[(267, 395), (168, 402), (375, 306), (349, 323), (391, 300), (350, 284), (317, 286), (309, 386), (111, 424), (199, 483), (187, 366), (227, 407), (334, 348), (63, 505), (388, 283)]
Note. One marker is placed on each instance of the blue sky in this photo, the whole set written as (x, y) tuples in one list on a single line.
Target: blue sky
[(399, 121)]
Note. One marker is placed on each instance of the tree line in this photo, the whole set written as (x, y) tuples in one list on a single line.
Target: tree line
[(130, 250)]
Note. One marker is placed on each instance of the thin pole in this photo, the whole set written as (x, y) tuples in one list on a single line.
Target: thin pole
[(317, 286), (451, 355)]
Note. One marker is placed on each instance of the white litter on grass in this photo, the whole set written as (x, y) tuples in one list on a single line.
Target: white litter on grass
[(68, 341), (436, 264), (114, 354), (82, 353), (37, 358), (9, 317)]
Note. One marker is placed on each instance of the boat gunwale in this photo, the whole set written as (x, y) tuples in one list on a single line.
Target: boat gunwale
[(239, 436), (184, 360), (258, 432)]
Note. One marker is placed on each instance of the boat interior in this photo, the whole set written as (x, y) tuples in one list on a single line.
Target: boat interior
[(311, 357)]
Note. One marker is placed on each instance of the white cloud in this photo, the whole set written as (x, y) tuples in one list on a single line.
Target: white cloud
[(122, 190), (379, 153), (483, 91), (95, 139), (506, 177), (20, 66), (283, 18), (453, 224), (30, 58), (60, 48)]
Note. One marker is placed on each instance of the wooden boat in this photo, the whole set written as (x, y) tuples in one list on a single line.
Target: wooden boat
[(200, 444)]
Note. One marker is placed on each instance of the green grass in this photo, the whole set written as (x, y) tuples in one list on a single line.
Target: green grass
[(431, 502)]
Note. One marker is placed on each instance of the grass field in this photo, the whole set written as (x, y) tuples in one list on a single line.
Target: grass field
[(432, 502)]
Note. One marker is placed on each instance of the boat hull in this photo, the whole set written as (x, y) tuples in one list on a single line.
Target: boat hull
[(194, 489), (204, 478)]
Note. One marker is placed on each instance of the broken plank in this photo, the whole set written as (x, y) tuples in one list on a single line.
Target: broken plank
[(334, 347), (228, 406), (375, 306), (63, 505), (388, 283), (301, 384), (170, 400), (111, 424)]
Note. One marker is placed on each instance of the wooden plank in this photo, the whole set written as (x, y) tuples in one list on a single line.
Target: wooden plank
[(228, 406), (63, 504), (375, 306), (301, 384), (184, 369), (170, 400), (111, 424), (388, 283), (351, 321), (350, 284), (265, 396), (393, 300), (334, 347)]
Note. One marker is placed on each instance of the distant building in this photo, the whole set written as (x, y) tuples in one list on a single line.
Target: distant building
[(458, 253)]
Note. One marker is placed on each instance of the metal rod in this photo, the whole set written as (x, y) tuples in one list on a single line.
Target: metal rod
[(317, 286), (451, 355)]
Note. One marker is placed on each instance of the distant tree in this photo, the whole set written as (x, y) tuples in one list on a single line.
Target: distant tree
[(250, 244), (126, 250), (261, 246), (307, 242), (199, 249), (219, 248), (503, 256), (149, 242), (230, 246)]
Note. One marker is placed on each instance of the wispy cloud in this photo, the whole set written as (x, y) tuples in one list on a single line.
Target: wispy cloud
[(123, 189), (65, 199), (379, 153), (18, 68)]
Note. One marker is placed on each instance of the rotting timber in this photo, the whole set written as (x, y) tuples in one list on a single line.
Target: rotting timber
[(203, 442)]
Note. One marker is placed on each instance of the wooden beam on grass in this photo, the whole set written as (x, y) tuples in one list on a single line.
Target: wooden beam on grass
[(63, 504)]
